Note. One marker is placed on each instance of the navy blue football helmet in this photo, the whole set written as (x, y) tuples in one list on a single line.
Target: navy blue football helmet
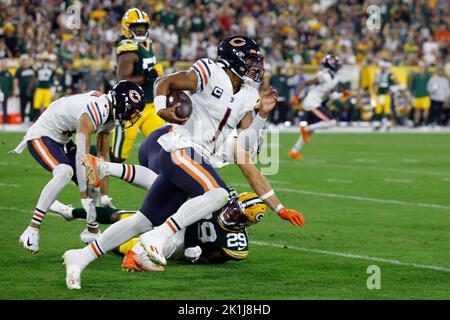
[(242, 55), (128, 102), (332, 62)]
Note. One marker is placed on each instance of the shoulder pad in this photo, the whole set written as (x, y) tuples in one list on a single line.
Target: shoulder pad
[(126, 46)]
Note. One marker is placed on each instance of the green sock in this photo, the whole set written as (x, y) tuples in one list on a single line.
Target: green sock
[(103, 214)]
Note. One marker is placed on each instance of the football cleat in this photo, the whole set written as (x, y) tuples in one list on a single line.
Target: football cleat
[(30, 239), (139, 262), (87, 237), (74, 266), (151, 242), (95, 169), (295, 155), (62, 209), (304, 131)]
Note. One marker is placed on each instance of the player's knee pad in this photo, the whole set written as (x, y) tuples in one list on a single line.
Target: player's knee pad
[(63, 171), (218, 196)]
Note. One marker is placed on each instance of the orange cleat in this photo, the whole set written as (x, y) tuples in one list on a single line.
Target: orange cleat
[(304, 131), (295, 155), (139, 262)]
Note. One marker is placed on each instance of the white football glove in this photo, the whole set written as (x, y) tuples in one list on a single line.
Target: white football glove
[(106, 201), (192, 254), (91, 213)]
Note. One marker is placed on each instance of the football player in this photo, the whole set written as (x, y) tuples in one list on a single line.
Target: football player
[(316, 115), (136, 62), (217, 238), (223, 98), (49, 142)]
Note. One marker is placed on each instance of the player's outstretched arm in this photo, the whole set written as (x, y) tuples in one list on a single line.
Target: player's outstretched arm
[(182, 80), (84, 130), (262, 187)]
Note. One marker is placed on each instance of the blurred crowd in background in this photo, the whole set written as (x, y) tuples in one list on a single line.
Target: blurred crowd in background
[(49, 35)]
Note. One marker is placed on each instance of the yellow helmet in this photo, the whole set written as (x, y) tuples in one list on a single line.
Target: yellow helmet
[(243, 211), (253, 207), (135, 17)]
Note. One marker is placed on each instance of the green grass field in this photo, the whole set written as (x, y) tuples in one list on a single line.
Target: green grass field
[(368, 199)]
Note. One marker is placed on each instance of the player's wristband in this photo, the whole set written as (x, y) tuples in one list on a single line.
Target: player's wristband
[(267, 195), (278, 208), (160, 102)]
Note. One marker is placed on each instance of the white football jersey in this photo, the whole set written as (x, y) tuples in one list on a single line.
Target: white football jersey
[(60, 120), (216, 111), (315, 96)]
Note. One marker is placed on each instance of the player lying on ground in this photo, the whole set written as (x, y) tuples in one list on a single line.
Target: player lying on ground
[(317, 117), (222, 100), (49, 142), (218, 238)]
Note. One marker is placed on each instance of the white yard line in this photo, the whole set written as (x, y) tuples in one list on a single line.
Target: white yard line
[(398, 180), (9, 185), (339, 181), (279, 182), (30, 211), (359, 198), (354, 256)]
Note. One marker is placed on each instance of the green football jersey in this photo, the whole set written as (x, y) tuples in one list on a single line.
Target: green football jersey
[(384, 82), (45, 77), (211, 236), (146, 60)]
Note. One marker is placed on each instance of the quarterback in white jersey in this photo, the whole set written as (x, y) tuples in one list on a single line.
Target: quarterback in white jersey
[(221, 101), (49, 142), (316, 116)]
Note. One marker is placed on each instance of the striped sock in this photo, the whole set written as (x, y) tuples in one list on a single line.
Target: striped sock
[(169, 227), (128, 173), (95, 249), (135, 174), (38, 216)]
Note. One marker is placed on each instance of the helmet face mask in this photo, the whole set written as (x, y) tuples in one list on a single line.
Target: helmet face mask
[(140, 31), (244, 211)]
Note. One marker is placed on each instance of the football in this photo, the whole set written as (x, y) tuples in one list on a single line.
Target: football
[(185, 109)]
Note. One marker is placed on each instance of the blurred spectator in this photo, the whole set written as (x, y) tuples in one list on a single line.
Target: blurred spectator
[(6, 87), (402, 105), (24, 80), (364, 105), (421, 95), (439, 90), (384, 81), (45, 78), (93, 80), (279, 81)]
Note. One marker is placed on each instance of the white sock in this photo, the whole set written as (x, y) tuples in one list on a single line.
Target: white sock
[(135, 174), (116, 235), (322, 125), (138, 248), (298, 145), (62, 174), (193, 210)]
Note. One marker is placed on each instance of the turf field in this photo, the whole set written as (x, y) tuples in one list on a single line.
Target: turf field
[(368, 199)]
